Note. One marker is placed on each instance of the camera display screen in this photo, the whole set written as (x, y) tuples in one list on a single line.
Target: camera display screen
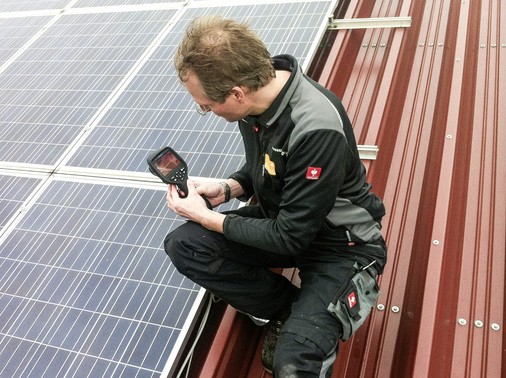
[(166, 162)]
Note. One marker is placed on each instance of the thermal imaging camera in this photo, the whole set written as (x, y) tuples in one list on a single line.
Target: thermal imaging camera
[(166, 164)]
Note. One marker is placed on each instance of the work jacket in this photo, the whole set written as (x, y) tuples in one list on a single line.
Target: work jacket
[(303, 165)]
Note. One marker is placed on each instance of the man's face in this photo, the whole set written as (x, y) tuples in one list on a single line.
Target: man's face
[(232, 109)]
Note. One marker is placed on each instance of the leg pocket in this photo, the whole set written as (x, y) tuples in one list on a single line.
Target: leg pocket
[(354, 302)]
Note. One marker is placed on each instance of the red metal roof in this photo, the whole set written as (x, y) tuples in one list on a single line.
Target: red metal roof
[(432, 97)]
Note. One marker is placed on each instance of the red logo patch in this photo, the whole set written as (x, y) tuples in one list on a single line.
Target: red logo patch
[(313, 173), (352, 301)]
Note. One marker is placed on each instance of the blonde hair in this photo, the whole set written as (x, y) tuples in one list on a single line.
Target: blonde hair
[(222, 54)]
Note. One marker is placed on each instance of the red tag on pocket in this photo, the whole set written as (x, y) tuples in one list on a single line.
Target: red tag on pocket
[(352, 301)]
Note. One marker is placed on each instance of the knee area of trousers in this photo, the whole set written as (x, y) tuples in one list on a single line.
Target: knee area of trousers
[(291, 348), (174, 245), (297, 356)]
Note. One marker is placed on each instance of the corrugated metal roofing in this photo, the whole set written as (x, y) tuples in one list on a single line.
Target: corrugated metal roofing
[(432, 97)]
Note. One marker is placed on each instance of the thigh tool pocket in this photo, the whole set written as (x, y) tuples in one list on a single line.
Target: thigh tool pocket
[(353, 303)]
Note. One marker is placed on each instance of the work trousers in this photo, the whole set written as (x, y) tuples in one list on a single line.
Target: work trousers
[(240, 275)]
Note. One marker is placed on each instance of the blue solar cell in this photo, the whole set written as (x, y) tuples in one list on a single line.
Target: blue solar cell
[(13, 192), (55, 364), (13, 351)]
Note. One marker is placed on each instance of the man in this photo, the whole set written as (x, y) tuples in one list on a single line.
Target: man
[(315, 210)]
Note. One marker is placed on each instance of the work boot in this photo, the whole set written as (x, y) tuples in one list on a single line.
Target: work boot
[(271, 339)]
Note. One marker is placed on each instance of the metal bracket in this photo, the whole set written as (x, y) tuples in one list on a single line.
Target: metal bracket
[(369, 23), (368, 152)]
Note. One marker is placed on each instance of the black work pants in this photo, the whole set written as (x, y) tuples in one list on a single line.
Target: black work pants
[(239, 275)]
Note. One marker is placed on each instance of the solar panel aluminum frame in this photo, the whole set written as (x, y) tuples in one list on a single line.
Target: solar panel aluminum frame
[(171, 367), (125, 8), (26, 167), (32, 13)]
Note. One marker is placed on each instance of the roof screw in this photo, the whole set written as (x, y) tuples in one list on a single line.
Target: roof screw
[(435, 242), (495, 326), (373, 45), (478, 323), (494, 45), (440, 44), (462, 321), (421, 44), (381, 307), (364, 44), (482, 45), (458, 59), (395, 309), (449, 136), (503, 45), (431, 44), (383, 45)]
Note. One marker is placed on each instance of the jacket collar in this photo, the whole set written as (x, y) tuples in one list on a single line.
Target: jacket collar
[(287, 63)]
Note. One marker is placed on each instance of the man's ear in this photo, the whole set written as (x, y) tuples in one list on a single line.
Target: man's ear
[(238, 93)]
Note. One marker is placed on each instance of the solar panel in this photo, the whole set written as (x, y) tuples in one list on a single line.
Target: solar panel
[(86, 289), (58, 84), (84, 281)]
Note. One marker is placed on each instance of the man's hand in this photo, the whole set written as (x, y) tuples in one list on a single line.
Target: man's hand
[(193, 207), (213, 191)]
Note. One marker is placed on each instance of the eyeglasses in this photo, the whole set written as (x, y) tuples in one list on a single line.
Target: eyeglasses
[(202, 109)]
